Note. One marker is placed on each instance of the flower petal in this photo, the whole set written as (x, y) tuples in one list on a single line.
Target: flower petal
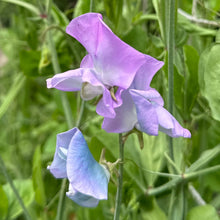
[(81, 199), (146, 114), (84, 173), (67, 81), (58, 166), (125, 117), (169, 125), (115, 61), (145, 74)]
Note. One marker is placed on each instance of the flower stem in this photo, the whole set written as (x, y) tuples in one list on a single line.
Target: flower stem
[(9, 180), (170, 49), (120, 179)]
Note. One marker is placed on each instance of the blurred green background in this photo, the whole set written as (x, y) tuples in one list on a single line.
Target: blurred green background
[(31, 115)]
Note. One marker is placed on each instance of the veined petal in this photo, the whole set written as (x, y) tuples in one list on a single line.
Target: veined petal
[(125, 117), (146, 114), (81, 199), (58, 166), (145, 74), (67, 81), (115, 61), (87, 62), (84, 173), (169, 125)]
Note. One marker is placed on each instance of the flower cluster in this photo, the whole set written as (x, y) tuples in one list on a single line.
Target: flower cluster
[(121, 76)]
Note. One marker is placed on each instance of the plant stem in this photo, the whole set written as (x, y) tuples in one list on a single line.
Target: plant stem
[(9, 180), (120, 179), (170, 48)]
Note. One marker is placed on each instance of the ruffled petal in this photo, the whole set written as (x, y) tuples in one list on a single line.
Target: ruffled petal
[(115, 61), (125, 117), (84, 173), (146, 114), (58, 166), (145, 74), (67, 81), (82, 199), (169, 125)]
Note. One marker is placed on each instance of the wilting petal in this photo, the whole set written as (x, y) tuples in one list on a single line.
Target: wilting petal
[(146, 114), (84, 173), (169, 125), (82, 199), (58, 166), (145, 74), (67, 81), (115, 61), (125, 118)]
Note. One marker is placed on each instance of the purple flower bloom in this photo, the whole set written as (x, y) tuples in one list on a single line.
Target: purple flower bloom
[(143, 108), (109, 65), (73, 160)]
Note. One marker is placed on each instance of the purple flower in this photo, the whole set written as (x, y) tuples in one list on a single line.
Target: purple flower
[(109, 67), (143, 108), (88, 180)]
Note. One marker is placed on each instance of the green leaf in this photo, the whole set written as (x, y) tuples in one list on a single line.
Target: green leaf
[(24, 4), (3, 203), (82, 7), (205, 158), (38, 183), (26, 192), (160, 8), (14, 90), (202, 213), (153, 212), (29, 61), (212, 81), (136, 38), (192, 89)]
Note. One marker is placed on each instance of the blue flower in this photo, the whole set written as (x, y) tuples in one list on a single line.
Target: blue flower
[(88, 180)]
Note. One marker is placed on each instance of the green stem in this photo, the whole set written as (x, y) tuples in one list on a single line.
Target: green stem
[(170, 49), (67, 112), (120, 179), (9, 180), (185, 177)]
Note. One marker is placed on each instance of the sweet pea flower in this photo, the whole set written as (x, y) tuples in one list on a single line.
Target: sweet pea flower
[(143, 109), (109, 67), (88, 180)]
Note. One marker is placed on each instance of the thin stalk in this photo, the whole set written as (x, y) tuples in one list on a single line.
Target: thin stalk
[(9, 180), (185, 177), (120, 179), (67, 113), (170, 48)]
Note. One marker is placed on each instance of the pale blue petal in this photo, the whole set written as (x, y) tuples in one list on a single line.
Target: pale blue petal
[(58, 166), (84, 173), (82, 199)]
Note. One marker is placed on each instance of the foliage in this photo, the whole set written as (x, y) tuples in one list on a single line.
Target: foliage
[(31, 115)]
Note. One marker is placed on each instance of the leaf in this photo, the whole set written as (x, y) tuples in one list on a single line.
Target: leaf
[(202, 213), (154, 212), (212, 81), (38, 183), (29, 61), (192, 61), (24, 4), (205, 158), (3, 203), (14, 90), (26, 192), (82, 7)]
